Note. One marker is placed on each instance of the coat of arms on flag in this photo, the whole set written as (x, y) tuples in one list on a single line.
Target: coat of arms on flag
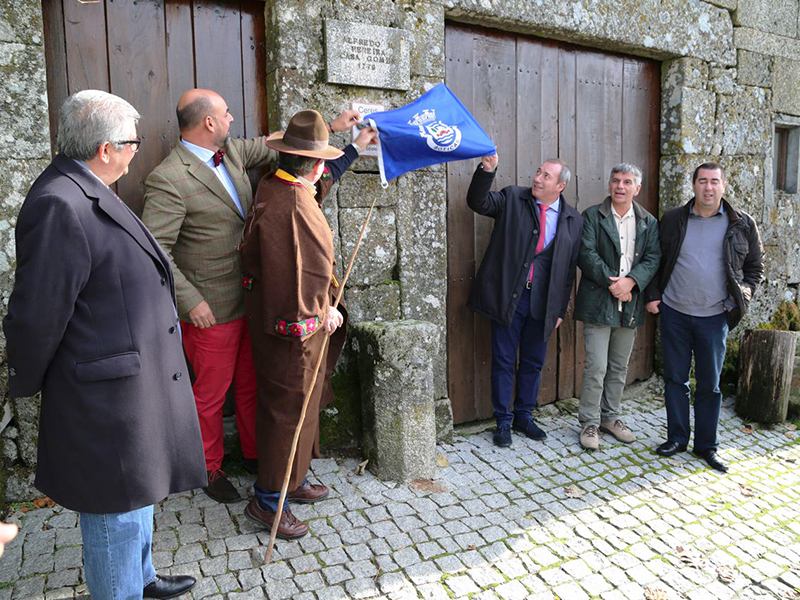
[(434, 128)]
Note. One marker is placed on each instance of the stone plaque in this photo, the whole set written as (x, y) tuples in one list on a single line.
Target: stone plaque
[(367, 55)]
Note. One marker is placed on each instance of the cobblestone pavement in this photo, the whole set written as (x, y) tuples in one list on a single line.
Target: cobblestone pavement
[(538, 520)]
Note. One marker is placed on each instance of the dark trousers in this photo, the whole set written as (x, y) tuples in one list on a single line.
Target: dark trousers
[(682, 335), (526, 334)]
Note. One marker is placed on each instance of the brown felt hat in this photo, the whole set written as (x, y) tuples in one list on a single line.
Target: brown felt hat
[(306, 135)]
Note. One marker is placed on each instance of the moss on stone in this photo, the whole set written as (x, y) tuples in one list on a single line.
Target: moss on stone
[(340, 425)]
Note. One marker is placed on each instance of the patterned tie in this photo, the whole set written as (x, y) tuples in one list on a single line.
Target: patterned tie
[(543, 208), (218, 157)]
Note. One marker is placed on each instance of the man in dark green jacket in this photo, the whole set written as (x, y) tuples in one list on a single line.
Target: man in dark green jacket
[(619, 256)]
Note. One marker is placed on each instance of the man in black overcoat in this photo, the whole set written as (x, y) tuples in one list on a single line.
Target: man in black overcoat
[(92, 325), (524, 283)]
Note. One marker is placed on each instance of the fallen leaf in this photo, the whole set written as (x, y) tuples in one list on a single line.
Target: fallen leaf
[(791, 427), (691, 557), (471, 547), (747, 430), (789, 435), (745, 490), (789, 594), (790, 460), (361, 467), (441, 461), (427, 485), (574, 491), (43, 502), (655, 594), (24, 509), (725, 573)]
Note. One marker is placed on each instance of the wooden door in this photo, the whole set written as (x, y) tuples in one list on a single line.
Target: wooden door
[(539, 99), (149, 52)]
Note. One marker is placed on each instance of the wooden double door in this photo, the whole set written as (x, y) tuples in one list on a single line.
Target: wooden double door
[(149, 52), (539, 99)]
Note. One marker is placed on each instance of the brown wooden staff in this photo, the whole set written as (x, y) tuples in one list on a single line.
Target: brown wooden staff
[(297, 430)]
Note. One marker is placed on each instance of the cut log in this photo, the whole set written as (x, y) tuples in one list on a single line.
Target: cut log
[(766, 362)]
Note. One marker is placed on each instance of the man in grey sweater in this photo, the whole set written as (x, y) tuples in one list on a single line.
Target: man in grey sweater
[(711, 263)]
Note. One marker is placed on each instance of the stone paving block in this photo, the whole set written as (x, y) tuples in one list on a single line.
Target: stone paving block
[(361, 588), (433, 591), (204, 588), (570, 591), (461, 585), (226, 583), (32, 587), (280, 590), (66, 578)]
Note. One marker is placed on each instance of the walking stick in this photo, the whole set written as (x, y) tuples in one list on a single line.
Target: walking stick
[(297, 430)]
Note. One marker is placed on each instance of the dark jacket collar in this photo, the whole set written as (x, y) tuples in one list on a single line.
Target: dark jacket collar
[(733, 215)]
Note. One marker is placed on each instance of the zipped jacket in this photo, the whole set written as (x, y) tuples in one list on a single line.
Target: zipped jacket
[(742, 253)]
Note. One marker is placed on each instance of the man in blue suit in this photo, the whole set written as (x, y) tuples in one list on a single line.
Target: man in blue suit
[(524, 282)]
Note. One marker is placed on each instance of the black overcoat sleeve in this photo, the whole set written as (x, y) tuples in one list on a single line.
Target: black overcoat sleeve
[(53, 266)]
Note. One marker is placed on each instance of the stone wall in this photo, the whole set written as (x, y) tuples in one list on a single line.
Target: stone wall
[(24, 153), (731, 69)]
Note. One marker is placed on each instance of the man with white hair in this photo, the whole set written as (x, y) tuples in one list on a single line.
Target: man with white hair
[(92, 324), (619, 256)]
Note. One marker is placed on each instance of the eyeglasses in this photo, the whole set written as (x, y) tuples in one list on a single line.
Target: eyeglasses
[(134, 144)]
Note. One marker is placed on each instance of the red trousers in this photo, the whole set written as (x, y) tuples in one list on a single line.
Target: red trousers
[(219, 355)]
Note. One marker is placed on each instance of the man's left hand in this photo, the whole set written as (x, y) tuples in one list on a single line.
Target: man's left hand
[(621, 288), (367, 136), (345, 121)]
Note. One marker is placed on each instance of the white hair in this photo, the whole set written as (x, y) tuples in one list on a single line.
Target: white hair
[(90, 118)]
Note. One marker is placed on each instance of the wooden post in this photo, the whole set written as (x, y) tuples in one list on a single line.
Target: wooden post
[(766, 362)]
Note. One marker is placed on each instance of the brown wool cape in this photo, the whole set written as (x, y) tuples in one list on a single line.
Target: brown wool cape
[(288, 262)]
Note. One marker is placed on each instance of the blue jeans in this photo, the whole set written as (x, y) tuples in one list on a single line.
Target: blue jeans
[(268, 499), (526, 334), (681, 336), (116, 553)]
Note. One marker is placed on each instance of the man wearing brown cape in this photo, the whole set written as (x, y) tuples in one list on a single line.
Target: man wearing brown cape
[(288, 262)]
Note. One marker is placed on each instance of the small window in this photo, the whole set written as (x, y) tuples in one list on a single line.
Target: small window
[(785, 158)]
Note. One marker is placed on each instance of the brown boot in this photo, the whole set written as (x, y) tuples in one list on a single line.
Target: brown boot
[(308, 493), (290, 527)]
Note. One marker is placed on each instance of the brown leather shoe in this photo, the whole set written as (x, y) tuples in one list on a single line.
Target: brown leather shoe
[(308, 493), (220, 488), (290, 527)]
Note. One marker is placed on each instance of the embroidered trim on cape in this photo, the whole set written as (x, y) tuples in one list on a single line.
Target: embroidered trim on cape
[(296, 328)]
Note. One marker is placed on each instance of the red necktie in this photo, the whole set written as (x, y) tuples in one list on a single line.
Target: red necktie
[(543, 208), (218, 157)]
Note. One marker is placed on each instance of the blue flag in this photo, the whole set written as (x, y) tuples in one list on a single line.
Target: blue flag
[(435, 128)]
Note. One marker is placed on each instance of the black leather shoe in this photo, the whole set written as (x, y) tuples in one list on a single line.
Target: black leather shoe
[(530, 429), (168, 586), (502, 436), (713, 460), (669, 448), (220, 488)]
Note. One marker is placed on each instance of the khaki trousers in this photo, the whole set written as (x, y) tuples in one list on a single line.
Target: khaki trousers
[(608, 350)]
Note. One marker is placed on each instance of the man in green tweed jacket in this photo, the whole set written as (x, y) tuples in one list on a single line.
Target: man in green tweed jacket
[(195, 205)]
